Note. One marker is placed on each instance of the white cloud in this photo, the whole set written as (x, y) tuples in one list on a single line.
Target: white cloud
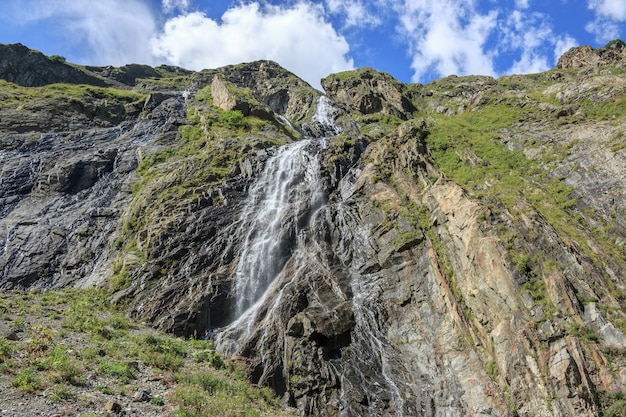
[(603, 30), (608, 13), (297, 37), (526, 34), (562, 45), (454, 37), (522, 4), (170, 6), (446, 37), (610, 9), (114, 32), (355, 12)]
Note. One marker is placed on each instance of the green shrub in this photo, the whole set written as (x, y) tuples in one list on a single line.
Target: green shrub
[(234, 119), (63, 367), (492, 370), (6, 349), (57, 58), (615, 42), (158, 401), (210, 357), (28, 380), (165, 354), (61, 393), (120, 370)]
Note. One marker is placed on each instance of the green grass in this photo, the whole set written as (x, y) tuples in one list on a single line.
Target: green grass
[(12, 95), (467, 149), (218, 393), (120, 370), (201, 382), (614, 107), (476, 133), (492, 370), (28, 380)]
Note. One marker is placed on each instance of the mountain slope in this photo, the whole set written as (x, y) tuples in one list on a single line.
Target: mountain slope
[(455, 248)]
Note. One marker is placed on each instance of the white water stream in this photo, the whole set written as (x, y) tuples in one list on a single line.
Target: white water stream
[(276, 222), (271, 212)]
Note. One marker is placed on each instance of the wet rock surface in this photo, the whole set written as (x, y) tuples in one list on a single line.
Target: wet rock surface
[(394, 286)]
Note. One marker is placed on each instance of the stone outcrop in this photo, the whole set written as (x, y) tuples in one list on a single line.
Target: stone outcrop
[(368, 91), (283, 92), (227, 97), (586, 56), (449, 249), (29, 68)]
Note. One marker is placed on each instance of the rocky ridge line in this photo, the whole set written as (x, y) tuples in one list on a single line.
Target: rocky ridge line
[(472, 243)]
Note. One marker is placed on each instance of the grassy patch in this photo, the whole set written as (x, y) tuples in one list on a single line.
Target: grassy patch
[(12, 95), (612, 108), (112, 351), (467, 148), (218, 393)]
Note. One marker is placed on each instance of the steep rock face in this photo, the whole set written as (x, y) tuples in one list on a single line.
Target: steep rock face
[(389, 250), (586, 56), (282, 91), (25, 67), (368, 91), (62, 195)]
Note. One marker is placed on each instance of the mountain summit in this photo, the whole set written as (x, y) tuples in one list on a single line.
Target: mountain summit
[(379, 249)]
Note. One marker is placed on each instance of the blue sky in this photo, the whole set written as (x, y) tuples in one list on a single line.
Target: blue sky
[(413, 40)]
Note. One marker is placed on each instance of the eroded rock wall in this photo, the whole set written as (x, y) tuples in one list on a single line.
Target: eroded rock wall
[(464, 254)]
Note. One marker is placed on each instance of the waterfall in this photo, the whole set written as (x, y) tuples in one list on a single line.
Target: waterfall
[(295, 243), (325, 116), (270, 217), (278, 209)]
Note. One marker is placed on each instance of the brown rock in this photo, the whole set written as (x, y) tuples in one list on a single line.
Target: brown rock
[(586, 56), (113, 407)]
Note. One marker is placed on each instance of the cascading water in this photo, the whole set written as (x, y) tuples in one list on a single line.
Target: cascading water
[(271, 205), (285, 257), (278, 208), (279, 204), (325, 116)]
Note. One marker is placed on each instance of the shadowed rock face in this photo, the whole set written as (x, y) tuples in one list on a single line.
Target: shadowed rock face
[(28, 68), (449, 249)]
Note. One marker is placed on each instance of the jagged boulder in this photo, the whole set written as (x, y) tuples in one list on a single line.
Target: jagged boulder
[(586, 56), (229, 97), (369, 91)]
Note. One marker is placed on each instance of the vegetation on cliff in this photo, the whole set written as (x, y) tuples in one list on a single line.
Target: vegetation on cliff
[(470, 256)]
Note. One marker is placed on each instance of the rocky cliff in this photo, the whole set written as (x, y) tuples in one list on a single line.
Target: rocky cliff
[(454, 248)]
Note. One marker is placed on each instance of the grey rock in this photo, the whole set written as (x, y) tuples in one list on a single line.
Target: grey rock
[(142, 395), (113, 407), (29, 68), (394, 292)]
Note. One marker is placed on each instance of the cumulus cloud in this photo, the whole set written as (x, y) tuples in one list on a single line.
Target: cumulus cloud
[(455, 37), (298, 37), (608, 13), (610, 9), (355, 12), (603, 30), (528, 35), (446, 37), (113, 32)]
